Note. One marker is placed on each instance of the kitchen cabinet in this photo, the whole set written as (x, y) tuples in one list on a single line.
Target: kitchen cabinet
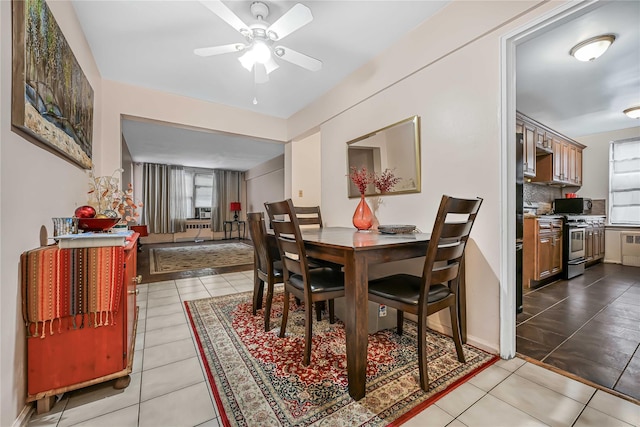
[(558, 158), (563, 166), (594, 239), (529, 137), (542, 249), (76, 354)]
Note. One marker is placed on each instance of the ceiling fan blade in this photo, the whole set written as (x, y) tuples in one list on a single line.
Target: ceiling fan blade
[(217, 50), (297, 58), (261, 74), (220, 9), (271, 65), (295, 18)]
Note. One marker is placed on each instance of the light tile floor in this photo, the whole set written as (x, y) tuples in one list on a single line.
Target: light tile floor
[(169, 387)]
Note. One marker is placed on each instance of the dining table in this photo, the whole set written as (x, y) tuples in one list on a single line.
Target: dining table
[(356, 250)]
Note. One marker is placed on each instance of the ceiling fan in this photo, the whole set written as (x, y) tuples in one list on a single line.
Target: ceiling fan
[(262, 38)]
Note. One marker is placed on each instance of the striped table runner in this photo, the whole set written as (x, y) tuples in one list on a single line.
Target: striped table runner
[(58, 283)]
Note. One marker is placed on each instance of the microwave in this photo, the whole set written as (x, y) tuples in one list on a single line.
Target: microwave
[(577, 206)]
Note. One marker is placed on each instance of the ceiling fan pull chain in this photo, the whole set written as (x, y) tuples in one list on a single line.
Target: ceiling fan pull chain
[(255, 87)]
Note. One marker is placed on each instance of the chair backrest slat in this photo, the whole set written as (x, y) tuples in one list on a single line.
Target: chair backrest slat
[(445, 273), (456, 230), (449, 252)]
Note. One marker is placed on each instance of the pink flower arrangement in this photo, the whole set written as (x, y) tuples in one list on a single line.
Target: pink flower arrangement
[(385, 181), (361, 178)]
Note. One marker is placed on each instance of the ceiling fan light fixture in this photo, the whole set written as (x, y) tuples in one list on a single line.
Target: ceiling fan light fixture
[(247, 60), (633, 112), (261, 52), (592, 48)]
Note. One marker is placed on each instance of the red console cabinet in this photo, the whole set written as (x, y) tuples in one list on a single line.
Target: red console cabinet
[(81, 357)]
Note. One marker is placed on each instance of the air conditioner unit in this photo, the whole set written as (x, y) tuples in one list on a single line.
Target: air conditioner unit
[(630, 248), (204, 213)]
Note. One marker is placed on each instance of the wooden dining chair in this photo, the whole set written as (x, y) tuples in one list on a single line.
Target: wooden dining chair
[(267, 265), (308, 285), (437, 288), (309, 215)]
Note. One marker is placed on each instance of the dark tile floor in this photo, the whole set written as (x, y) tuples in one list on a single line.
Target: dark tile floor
[(588, 326)]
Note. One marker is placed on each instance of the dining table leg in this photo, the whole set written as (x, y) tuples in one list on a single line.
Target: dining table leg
[(356, 299)]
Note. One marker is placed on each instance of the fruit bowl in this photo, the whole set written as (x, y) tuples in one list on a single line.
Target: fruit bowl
[(96, 224)]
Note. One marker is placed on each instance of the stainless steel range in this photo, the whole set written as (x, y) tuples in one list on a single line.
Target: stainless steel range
[(573, 258)]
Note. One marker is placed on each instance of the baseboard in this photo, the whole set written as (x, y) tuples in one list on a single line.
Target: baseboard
[(24, 416)]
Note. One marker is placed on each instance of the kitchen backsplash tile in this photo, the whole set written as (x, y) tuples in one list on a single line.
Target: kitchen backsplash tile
[(598, 207), (534, 193)]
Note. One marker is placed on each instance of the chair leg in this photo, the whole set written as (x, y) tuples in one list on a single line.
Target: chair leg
[(332, 312), (422, 352), (399, 321), (285, 314), (267, 308), (258, 289), (455, 331), (319, 308), (308, 333)]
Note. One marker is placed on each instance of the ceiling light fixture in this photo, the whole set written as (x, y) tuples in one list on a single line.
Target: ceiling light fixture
[(258, 53), (633, 112), (592, 48)]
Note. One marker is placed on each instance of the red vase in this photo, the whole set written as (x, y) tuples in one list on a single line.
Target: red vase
[(363, 217)]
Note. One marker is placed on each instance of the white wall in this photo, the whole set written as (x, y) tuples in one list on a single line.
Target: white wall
[(305, 171), (595, 161), (265, 183)]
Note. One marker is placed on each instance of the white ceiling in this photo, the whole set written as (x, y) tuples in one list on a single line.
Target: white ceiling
[(582, 98), (150, 44)]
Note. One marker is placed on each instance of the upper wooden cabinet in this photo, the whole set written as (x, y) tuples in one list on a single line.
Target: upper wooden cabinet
[(528, 148), (558, 158)]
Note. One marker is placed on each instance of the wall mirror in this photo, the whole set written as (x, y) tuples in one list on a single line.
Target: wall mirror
[(395, 147)]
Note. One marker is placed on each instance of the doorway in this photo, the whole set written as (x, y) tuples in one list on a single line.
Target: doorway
[(508, 46), (559, 295)]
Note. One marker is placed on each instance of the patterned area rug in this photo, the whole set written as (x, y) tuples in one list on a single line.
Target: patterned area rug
[(258, 379), (185, 258)]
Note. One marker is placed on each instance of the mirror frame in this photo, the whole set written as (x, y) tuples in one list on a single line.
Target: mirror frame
[(353, 192)]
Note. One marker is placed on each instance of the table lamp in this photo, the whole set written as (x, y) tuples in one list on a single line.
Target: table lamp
[(235, 207)]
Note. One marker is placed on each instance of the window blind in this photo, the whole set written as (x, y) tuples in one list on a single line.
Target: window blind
[(624, 182)]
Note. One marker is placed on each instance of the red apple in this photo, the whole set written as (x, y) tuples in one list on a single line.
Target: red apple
[(85, 212)]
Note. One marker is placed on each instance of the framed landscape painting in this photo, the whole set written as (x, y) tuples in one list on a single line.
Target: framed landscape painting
[(52, 100)]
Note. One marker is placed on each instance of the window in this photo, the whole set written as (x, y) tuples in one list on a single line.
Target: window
[(198, 190), (203, 190), (624, 182)]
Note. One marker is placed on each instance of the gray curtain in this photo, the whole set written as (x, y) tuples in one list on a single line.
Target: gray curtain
[(178, 213), (163, 192), (227, 187)]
